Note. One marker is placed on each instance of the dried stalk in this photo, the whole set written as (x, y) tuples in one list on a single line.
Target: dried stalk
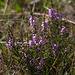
[(6, 4)]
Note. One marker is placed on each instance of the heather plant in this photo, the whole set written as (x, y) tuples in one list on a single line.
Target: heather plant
[(46, 49)]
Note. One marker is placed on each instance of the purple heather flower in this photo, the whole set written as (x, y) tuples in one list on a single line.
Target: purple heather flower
[(41, 63), (55, 49), (54, 10), (38, 67), (22, 58), (0, 60), (42, 40), (15, 45), (55, 18), (25, 55), (37, 44), (38, 58), (62, 29), (46, 22), (31, 42), (30, 58), (11, 49), (5, 65), (43, 25), (54, 46), (11, 42), (36, 72), (66, 50), (50, 13), (32, 20), (53, 14), (26, 69), (34, 38), (60, 17), (8, 45), (39, 48), (20, 51), (32, 62), (10, 39), (34, 41)]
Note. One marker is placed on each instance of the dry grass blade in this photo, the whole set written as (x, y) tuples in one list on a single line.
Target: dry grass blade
[(6, 6)]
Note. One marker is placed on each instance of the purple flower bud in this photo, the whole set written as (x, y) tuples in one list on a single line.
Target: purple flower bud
[(22, 58), (41, 63), (10, 39), (43, 25), (5, 65), (31, 43), (11, 49), (32, 62), (66, 50), (8, 45), (62, 29), (42, 40), (37, 44), (20, 51), (39, 48), (46, 23), (26, 69), (55, 49), (0, 60), (38, 67), (61, 34), (15, 45), (25, 55), (38, 58), (60, 17), (35, 37), (11, 42), (50, 13), (32, 20)]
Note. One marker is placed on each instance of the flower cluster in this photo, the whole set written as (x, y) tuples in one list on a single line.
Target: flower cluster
[(41, 63), (32, 21), (35, 52), (44, 24), (52, 13), (55, 49), (10, 44), (32, 62), (35, 39)]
